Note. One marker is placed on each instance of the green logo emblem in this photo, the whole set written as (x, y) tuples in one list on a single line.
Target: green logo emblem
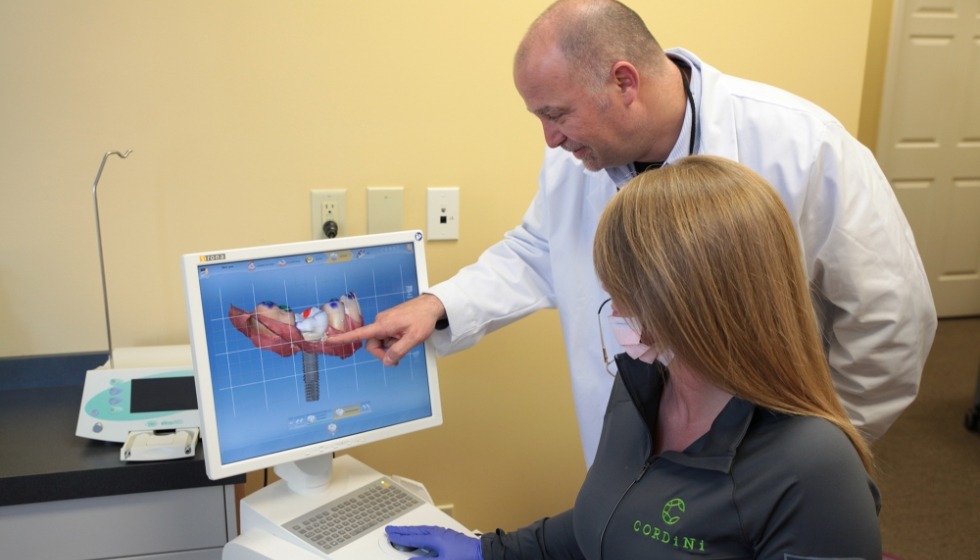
[(668, 512)]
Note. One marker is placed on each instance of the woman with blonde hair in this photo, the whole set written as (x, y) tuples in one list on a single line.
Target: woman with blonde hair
[(706, 256), (723, 436)]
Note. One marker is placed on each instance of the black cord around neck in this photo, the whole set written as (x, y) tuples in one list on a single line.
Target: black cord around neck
[(694, 110), (641, 166)]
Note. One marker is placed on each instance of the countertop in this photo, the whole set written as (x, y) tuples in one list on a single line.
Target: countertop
[(41, 458)]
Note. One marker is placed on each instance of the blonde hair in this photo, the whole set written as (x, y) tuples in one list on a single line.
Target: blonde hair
[(704, 254)]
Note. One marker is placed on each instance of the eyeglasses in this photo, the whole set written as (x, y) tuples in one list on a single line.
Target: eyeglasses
[(602, 340)]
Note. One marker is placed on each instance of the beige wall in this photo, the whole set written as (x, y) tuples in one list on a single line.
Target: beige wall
[(874, 72), (236, 109)]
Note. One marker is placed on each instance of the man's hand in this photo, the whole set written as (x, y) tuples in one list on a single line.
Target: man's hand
[(397, 330)]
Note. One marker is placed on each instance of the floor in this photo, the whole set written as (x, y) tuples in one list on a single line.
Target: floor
[(930, 461)]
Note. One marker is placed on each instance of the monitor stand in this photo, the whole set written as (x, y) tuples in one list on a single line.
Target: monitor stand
[(307, 476), (264, 512)]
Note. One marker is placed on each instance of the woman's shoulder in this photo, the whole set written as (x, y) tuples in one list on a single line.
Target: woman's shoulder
[(794, 473), (803, 447)]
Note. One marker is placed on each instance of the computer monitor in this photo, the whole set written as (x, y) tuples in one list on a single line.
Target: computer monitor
[(270, 392)]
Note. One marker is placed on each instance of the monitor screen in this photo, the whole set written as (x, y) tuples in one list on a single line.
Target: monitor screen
[(270, 391)]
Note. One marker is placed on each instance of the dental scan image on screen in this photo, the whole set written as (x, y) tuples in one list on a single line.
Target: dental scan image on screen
[(270, 389)]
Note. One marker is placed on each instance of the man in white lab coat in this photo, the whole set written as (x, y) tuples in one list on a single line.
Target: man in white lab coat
[(612, 103)]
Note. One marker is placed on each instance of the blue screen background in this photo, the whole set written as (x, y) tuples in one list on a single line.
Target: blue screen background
[(259, 396)]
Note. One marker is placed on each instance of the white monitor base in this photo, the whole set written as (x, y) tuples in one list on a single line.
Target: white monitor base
[(264, 512)]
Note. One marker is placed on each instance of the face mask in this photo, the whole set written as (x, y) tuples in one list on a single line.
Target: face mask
[(629, 339)]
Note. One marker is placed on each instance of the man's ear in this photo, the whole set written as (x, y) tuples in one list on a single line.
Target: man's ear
[(627, 81)]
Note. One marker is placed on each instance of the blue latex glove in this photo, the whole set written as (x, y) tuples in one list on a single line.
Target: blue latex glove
[(441, 542)]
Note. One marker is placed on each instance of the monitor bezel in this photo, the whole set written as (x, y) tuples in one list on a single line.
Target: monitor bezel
[(211, 438)]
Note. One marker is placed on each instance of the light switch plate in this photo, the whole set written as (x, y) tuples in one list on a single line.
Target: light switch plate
[(385, 207)]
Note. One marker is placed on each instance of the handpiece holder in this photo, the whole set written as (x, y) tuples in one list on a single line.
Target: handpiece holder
[(98, 233)]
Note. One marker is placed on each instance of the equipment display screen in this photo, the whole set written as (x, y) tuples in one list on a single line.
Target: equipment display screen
[(162, 394), (260, 335)]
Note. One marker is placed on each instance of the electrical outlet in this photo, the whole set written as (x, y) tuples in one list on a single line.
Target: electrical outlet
[(443, 213), (328, 205), (447, 509)]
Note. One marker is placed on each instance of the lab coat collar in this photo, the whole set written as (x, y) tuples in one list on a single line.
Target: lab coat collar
[(716, 114)]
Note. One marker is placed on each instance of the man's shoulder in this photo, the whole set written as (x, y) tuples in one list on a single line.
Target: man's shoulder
[(716, 84), (762, 99)]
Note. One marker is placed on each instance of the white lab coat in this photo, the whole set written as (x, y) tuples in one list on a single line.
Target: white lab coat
[(873, 295)]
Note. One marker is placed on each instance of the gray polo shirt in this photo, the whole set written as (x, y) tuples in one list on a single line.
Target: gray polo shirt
[(758, 485)]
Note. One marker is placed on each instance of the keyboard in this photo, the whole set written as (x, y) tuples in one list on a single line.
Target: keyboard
[(344, 519)]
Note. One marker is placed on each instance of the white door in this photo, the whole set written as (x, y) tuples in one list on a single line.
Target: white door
[(929, 141)]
